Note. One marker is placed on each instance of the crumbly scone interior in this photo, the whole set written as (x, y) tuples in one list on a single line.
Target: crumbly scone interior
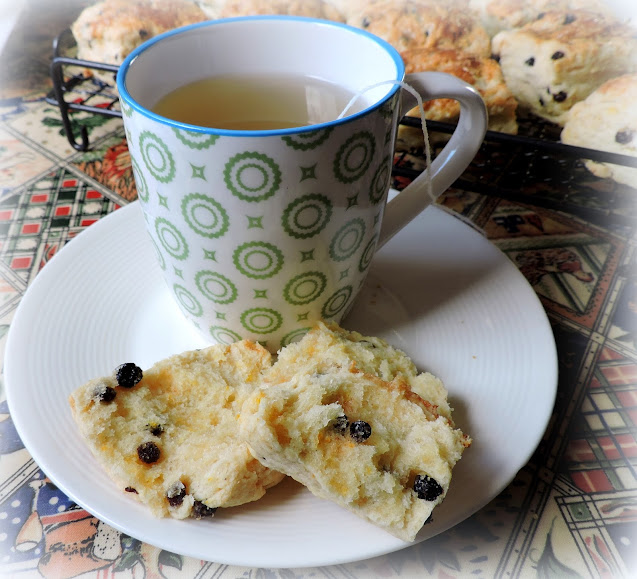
[(331, 346), (187, 406), (295, 424)]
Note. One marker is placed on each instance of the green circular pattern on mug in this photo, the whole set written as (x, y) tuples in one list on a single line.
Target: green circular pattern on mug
[(216, 287), (380, 181), (368, 254), (224, 335), (258, 259), (354, 157), (347, 239), (294, 336), (195, 140), (307, 140), (252, 176), (143, 193), (126, 110), (187, 300), (305, 288), (307, 215), (387, 110), (261, 320), (171, 239), (336, 302), (157, 157), (204, 215)]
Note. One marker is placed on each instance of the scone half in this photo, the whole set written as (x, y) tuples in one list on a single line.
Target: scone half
[(169, 436), (371, 445)]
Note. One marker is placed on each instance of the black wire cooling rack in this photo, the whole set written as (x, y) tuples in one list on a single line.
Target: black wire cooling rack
[(532, 167)]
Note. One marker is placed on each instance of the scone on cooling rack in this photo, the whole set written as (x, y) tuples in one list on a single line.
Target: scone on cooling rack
[(308, 8), (559, 59), (498, 15), (110, 30), (170, 437), (481, 72), (350, 418), (352, 7), (408, 24), (607, 120)]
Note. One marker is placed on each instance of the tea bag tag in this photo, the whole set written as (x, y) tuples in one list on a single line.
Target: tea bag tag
[(421, 110)]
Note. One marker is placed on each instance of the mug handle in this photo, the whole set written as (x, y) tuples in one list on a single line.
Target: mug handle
[(452, 160)]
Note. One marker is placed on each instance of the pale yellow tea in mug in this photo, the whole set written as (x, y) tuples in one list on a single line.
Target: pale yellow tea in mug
[(255, 103)]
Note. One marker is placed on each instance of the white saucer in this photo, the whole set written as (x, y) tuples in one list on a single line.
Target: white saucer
[(438, 290)]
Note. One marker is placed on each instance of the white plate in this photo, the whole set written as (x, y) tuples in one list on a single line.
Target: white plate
[(438, 290)]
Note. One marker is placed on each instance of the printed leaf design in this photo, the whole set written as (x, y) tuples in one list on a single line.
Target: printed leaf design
[(473, 528), (171, 560), (448, 559), (127, 561), (623, 504), (549, 566), (433, 551)]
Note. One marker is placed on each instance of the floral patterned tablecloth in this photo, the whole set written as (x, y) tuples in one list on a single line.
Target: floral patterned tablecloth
[(570, 512)]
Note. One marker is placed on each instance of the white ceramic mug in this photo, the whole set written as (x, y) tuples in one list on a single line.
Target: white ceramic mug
[(261, 233)]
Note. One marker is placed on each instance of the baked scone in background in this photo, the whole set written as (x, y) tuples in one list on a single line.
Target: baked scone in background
[(548, 55), (560, 58), (607, 120), (308, 8), (110, 30), (172, 439), (481, 72), (350, 418), (498, 15), (430, 24)]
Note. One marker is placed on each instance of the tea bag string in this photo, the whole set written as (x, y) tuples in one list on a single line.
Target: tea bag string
[(421, 110)]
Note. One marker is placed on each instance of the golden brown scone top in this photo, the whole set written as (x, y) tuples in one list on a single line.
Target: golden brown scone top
[(620, 86), (309, 8), (578, 25), (109, 31), (468, 67), (155, 16), (506, 14), (481, 72), (431, 24)]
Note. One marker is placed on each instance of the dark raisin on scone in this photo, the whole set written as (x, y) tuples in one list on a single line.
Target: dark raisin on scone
[(128, 375)]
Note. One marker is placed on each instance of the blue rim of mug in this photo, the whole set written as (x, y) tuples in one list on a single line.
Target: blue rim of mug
[(130, 101)]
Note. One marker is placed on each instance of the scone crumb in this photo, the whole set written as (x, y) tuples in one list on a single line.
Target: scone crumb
[(176, 493)]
